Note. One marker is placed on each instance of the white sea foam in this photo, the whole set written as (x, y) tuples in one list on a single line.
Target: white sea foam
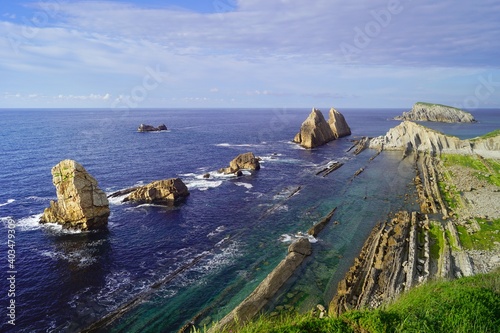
[(117, 200), (9, 201), (288, 238), (217, 231), (225, 144), (29, 223), (203, 185), (246, 185)]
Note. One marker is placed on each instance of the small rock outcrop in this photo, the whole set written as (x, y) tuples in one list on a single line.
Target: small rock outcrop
[(316, 131), (80, 203), (246, 161), (163, 192), (254, 303), (150, 128), (436, 112)]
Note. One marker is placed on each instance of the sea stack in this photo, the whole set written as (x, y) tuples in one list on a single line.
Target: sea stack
[(149, 128), (436, 112), (316, 131), (246, 161), (164, 192), (81, 204)]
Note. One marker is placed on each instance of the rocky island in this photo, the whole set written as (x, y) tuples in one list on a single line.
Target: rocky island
[(316, 131), (436, 112), (80, 204), (149, 128), (162, 192), (245, 161)]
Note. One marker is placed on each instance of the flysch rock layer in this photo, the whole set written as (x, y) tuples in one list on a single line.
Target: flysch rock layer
[(254, 303), (412, 137), (81, 204), (316, 131), (436, 112)]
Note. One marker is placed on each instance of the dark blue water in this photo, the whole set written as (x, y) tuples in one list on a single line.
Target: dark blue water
[(232, 227)]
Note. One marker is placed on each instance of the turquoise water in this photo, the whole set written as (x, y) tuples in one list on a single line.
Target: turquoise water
[(235, 229)]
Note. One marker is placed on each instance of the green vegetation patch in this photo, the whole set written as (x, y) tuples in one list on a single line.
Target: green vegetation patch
[(484, 239), (470, 304), (488, 169), (436, 239), (488, 135), (442, 105)]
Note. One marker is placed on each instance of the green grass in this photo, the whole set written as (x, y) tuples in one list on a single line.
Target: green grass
[(470, 304), (473, 162), (436, 238), (484, 239), (434, 104)]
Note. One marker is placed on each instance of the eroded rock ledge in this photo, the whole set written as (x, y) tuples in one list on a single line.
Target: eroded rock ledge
[(436, 112), (165, 192), (254, 303), (246, 161), (411, 137)]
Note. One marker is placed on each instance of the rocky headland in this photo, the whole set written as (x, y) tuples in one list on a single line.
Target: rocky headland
[(316, 131), (436, 112), (409, 137), (80, 204), (246, 161), (149, 128), (162, 192)]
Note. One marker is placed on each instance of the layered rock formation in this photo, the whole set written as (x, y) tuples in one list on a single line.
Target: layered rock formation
[(436, 112), (246, 161), (80, 203), (316, 131), (167, 191), (254, 303), (409, 136), (150, 128)]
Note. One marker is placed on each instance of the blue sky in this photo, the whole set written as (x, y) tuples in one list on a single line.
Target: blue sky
[(249, 53)]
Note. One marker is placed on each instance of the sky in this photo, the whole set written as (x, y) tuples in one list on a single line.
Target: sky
[(249, 53)]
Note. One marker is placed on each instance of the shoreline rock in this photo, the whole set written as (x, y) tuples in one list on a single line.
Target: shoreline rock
[(412, 137), (316, 131), (149, 128), (436, 112), (163, 192), (81, 204), (254, 303)]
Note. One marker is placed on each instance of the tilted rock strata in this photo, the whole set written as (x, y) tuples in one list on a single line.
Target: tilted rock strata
[(246, 161), (316, 131), (166, 191), (412, 137), (254, 303), (81, 204), (436, 112)]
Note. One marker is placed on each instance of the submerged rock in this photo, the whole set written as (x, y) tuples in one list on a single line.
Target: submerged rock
[(254, 303), (246, 161), (436, 112), (316, 131), (80, 203), (150, 128), (166, 191)]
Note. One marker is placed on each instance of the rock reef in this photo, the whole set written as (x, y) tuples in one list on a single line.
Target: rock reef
[(163, 192), (412, 137), (316, 131), (81, 204), (436, 112), (246, 161), (149, 128)]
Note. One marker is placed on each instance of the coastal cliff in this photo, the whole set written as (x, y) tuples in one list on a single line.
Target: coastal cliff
[(436, 112), (409, 136), (316, 131)]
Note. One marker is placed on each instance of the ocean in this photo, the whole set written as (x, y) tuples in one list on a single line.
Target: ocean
[(199, 259)]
